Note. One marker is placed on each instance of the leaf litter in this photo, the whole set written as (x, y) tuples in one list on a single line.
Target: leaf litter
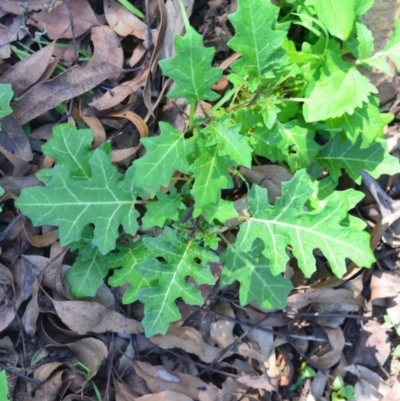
[(54, 347)]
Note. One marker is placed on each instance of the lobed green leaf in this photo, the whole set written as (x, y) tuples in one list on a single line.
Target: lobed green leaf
[(337, 15), (191, 68), (165, 154), (72, 204), (375, 159), (184, 258), (258, 39), (289, 223), (257, 283)]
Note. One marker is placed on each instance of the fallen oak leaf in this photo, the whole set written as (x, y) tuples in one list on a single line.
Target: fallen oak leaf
[(107, 48), (91, 352), (73, 82), (57, 21), (13, 140), (29, 70), (188, 339), (158, 380), (83, 317)]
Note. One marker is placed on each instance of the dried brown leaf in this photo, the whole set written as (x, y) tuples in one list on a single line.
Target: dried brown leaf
[(51, 377), (97, 127), (260, 382), (370, 383), (159, 380), (14, 6), (165, 396), (107, 48), (175, 26), (158, 43), (122, 21), (122, 154), (135, 119), (373, 346), (40, 241), (32, 311), (47, 95), (188, 339), (85, 317), (57, 23), (29, 70), (13, 139), (7, 310), (268, 176), (119, 93), (326, 360), (91, 352), (384, 285), (328, 295)]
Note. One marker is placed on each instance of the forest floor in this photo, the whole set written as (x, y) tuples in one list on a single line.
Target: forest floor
[(53, 347)]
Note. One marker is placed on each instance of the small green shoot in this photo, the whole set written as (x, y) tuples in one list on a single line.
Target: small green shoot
[(6, 94), (85, 372), (342, 392), (4, 386), (305, 372)]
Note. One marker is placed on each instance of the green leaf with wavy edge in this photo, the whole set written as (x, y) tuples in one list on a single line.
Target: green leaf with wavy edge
[(337, 15), (254, 22), (165, 154), (128, 258), (6, 94), (289, 142), (72, 204), (365, 41), (3, 386), (375, 159), (71, 147), (391, 50), (288, 223), (166, 207), (366, 121), (88, 271), (362, 6), (184, 258), (221, 211), (211, 175), (257, 283), (340, 89), (191, 68), (231, 142)]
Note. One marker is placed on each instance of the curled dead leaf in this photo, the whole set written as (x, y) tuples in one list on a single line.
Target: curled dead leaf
[(85, 317), (122, 21), (91, 352), (135, 119), (188, 339), (73, 82), (57, 23), (158, 380), (29, 70), (107, 48), (325, 360)]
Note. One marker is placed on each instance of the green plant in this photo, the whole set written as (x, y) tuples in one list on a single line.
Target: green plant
[(6, 94), (302, 105), (3, 386), (342, 392), (85, 372), (306, 372)]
